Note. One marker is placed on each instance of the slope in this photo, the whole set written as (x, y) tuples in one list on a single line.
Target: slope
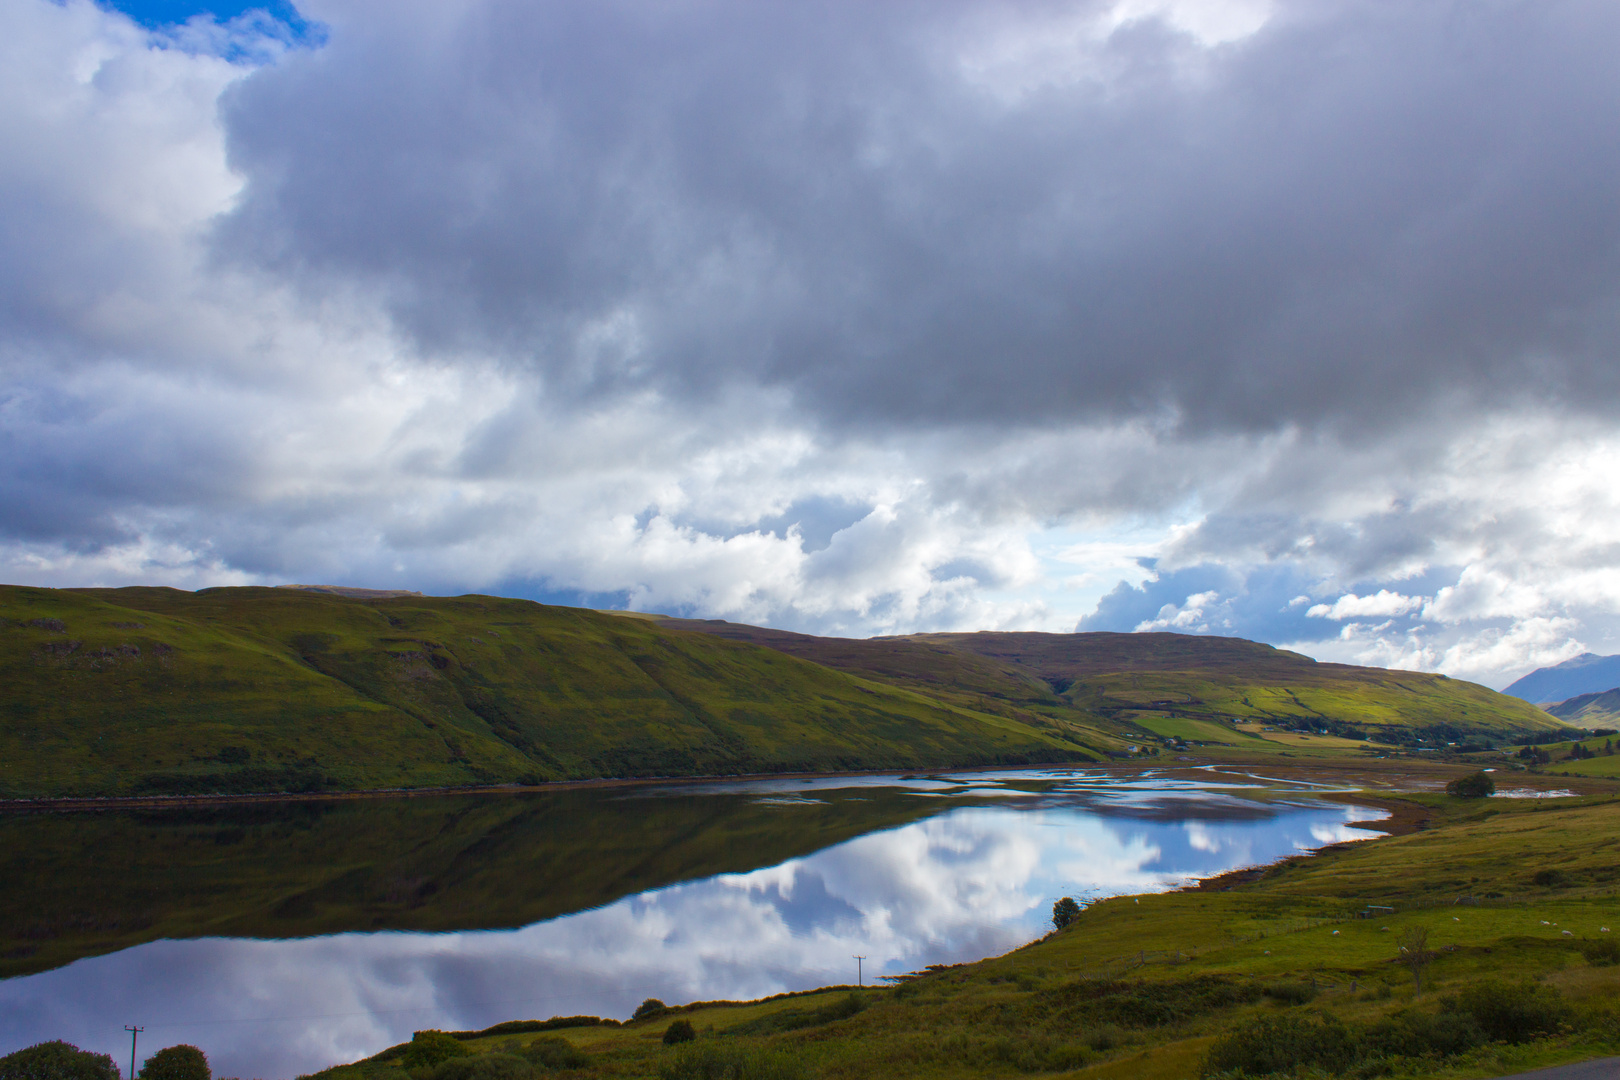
[(1147, 685), (1587, 673), (146, 690), (1590, 710)]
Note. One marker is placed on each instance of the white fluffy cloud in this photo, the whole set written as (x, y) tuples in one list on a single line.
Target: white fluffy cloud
[(921, 317)]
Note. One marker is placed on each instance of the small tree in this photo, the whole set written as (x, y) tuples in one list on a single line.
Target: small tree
[(1473, 786), (431, 1048), (176, 1063), (650, 1007), (1415, 953), (57, 1060), (678, 1032), (1064, 912)]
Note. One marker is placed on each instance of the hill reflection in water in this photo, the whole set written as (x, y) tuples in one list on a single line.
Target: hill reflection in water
[(971, 871)]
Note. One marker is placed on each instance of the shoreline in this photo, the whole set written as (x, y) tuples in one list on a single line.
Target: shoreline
[(1314, 772)]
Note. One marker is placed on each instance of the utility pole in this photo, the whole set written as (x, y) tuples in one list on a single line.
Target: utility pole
[(134, 1032), (858, 978)]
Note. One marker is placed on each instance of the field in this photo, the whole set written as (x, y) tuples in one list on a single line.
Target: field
[(1507, 904)]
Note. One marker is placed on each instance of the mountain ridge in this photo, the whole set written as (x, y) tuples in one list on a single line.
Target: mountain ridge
[(1587, 673)]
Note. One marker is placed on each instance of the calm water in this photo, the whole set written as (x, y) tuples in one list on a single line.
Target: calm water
[(904, 871)]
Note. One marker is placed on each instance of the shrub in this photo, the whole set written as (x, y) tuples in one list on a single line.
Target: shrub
[(1551, 879), (1473, 786), (708, 1060), (1276, 1044), (679, 1032), (1291, 992), (429, 1048), (1513, 1012), (650, 1007), (176, 1063), (57, 1060), (484, 1067), (1417, 1034), (555, 1052), (1601, 953), (1064, 912)]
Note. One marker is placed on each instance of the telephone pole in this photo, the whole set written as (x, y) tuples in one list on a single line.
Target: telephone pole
[(134, 1032), (858, 977)]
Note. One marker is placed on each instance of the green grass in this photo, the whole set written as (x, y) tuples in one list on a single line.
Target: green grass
[(156, 691), (1145, 986), (1605, 762), (1590, 710), (1113, 688), (142, 690)]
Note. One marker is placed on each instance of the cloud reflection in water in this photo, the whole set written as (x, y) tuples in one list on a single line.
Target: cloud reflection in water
[(968, 883)]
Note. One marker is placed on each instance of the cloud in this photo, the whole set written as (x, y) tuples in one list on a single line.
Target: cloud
[(860, 320), (1351, 606), (955, 887), (835, 203)]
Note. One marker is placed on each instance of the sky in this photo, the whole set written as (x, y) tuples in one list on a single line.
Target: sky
[(1295, 321)]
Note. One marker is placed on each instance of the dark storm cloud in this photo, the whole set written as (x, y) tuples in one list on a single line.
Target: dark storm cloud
[(1353, 215)]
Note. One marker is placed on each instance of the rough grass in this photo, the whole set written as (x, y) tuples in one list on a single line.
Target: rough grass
[(1112, 688), (131, 691)]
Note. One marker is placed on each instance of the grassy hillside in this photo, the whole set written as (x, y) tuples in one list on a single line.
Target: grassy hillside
[(1502, 904), (1152, 684), (1590, 710), (145, 690)]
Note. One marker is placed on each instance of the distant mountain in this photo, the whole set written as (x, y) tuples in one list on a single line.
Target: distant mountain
[(1588, 673), (1590, 710)]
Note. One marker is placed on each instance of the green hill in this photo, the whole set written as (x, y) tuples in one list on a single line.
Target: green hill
[(157, 691), (146, 690), (1590, 710), (1155, 684)]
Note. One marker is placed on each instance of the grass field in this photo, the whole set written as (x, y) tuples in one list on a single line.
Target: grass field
[(1517, 971)]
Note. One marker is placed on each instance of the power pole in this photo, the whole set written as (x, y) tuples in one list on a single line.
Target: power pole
[(858, 978), (134, 1032)]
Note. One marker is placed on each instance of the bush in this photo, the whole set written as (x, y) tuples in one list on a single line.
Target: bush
[(1276, 1044), (429, 1048), (176, 1063), (1551, 879), (679, 1032), (1601, 953), (555, 1052), (1064, 912), (1473, 786), (1291, 992), (1513, 1012), (57, 1060), (1419, 1034), (707, 1060), (484, 1067), (650, 1007)]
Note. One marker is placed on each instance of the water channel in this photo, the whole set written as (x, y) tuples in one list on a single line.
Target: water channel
[(283, 938)]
